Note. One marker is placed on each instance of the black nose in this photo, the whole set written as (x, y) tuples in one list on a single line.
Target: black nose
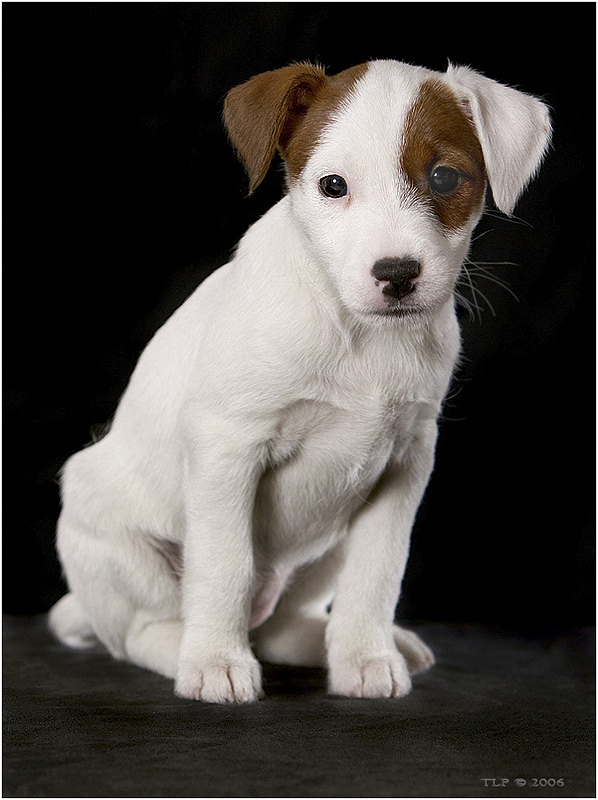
[(400, 272)]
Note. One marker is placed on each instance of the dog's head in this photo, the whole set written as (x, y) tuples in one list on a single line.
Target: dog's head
[(387, 166)]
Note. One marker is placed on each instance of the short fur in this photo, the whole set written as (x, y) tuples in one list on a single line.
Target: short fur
[(267, 460)]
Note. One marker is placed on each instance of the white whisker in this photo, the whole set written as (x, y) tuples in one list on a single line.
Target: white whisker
[(493, 279), (505, 218), (480, 235), (474, 299), (492, 263), (472, 272)]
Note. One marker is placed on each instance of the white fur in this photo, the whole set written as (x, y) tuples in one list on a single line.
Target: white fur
[(281, 432)]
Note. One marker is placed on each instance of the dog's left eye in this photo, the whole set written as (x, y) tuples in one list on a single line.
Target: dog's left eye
[(444, 180), (334, 186)]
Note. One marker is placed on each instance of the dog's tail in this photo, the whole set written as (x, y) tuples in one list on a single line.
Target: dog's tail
[(69, 624)]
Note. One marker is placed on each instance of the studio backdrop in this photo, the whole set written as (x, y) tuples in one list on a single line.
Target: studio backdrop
[(122, 193)]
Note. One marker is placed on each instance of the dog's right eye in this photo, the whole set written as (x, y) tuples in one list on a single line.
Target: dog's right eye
[(334, 186)]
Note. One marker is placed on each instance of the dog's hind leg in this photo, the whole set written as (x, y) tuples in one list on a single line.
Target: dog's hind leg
[(70, 625), (114, 577), (154, 644), (295, 633), (149, 643)]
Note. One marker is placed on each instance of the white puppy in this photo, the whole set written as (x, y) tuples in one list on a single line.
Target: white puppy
[(275, 440)]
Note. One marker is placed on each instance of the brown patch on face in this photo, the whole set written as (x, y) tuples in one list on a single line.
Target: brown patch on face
[(285, 109), (328, 99), (438, 133)]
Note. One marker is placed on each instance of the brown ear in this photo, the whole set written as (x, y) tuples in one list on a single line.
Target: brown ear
[(262, 114)]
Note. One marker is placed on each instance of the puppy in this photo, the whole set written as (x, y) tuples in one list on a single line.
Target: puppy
[(267, 460)]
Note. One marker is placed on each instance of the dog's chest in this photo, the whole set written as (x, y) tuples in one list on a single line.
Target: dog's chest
[(358, 410), (345, 438), (324, 462)]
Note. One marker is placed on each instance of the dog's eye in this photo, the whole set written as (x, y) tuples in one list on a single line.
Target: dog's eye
[(334, 186), (444, 180)]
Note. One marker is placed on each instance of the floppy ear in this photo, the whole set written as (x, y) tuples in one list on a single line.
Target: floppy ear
[(513, 128), (261, 114)]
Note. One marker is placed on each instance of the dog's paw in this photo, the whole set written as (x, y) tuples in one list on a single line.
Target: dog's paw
[(384, 675), (297, 642), (418, 655), (225, 680)]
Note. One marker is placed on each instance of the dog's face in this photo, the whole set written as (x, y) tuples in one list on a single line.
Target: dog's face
[(387, 167), (389, 196)]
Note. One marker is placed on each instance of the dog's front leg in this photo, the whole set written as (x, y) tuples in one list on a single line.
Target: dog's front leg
[(215, 660), (363, 658)]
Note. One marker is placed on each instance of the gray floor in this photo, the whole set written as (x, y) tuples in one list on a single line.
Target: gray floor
[(495, 708)]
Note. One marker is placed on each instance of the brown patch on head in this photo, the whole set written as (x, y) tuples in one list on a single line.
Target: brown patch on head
[(438, 133), (329, 98), (285, 109)]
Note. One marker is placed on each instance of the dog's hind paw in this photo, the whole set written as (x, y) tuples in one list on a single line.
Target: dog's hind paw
[(227, 680), (297, 642), (418, 655), (68, 623)]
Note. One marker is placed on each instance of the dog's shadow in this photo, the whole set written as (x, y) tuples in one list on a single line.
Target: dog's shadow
[(285, 681)]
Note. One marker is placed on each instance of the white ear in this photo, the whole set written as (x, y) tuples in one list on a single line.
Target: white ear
[(513, 128)]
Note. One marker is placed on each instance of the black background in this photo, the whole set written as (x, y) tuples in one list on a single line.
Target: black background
[(121, 193)]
